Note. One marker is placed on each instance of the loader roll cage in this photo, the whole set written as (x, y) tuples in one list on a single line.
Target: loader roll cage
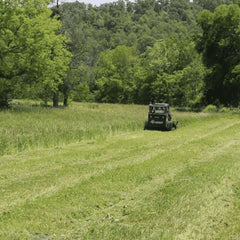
[(160, 118)]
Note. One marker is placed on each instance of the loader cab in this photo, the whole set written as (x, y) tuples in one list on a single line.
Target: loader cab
[(159, 117), (159, 109)]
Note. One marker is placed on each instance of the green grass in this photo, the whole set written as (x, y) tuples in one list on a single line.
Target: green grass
[(121, 183), (25, 126)]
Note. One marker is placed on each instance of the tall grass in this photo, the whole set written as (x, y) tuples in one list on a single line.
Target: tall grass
[(26, 126)]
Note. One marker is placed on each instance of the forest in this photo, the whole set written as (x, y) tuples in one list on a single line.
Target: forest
[(182, 52)]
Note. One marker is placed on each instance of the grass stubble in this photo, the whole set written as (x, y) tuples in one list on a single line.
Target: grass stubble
[(124, 183)]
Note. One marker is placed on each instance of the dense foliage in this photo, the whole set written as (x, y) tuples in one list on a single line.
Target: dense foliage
[(122, 52), (32, 53), (219, 44), (134, 52), (138, 52)]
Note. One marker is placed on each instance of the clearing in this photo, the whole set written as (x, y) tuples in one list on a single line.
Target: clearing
[(126, 184)]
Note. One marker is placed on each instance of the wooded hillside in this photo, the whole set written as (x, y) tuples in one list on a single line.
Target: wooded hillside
[(136, 52)]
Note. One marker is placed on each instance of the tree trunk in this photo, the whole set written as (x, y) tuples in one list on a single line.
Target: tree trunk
[(55, 99), (65, 100), (4, 101)]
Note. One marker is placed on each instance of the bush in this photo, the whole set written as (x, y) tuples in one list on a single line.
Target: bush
[(225, 110), (82, 93), (210, 109)]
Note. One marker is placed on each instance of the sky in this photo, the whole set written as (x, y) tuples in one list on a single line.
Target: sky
[(95, 2)]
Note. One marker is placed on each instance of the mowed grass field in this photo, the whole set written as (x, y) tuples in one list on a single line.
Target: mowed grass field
[(90, 172)]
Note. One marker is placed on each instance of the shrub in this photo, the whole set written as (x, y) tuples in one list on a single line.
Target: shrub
[(225, 110), (210, 109)]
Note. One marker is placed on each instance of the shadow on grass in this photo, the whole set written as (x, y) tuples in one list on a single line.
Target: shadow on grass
[(28, 107)]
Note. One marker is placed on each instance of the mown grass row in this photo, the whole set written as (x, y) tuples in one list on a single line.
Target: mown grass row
[(27, 126)]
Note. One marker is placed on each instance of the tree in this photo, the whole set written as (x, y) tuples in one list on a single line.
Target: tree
[(31, 50), (174, 73), (212, 4), (219, 44), (115, 81)]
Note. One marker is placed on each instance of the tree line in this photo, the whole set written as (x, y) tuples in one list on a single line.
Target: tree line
[(181, 52)]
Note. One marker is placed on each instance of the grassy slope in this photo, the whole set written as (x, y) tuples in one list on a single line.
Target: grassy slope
[(183, 184)]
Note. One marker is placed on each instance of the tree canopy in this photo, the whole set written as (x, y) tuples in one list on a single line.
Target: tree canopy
[(219, 44), (32, 51), (156, 37), (178, 51)]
